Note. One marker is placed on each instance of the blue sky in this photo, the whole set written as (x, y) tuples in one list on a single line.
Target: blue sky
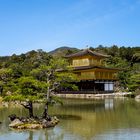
[(47, 24)]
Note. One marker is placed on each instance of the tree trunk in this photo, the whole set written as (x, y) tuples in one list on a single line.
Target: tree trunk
[(30, 135), (1, 89), (45, 113), (29, 106), (31, 109)]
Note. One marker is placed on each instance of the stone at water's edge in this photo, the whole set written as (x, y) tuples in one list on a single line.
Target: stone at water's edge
[(137, 97), (18, 124), (15, 123), (29, 126)]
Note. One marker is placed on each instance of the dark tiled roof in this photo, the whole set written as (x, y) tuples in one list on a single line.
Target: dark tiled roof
[(86, 52)]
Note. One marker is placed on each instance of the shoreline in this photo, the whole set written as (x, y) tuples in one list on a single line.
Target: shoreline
[(95, 96), (75, 96)]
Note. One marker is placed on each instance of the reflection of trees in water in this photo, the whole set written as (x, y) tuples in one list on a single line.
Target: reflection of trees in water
[(96, 117), (30, 135), (79, 107), (52, 135), (77, 117), (46, 134), (68, 117), (81, 118), (85, 107), (125, 115), (78, 123)]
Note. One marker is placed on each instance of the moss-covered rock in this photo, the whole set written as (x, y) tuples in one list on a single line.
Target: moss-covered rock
[(31, 123), (15, 123)]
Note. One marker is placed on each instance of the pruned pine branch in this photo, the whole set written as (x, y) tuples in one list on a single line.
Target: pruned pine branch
[(27, 105)]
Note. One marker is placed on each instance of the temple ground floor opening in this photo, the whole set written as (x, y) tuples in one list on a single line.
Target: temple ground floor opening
[(96, 85), (93, 86)]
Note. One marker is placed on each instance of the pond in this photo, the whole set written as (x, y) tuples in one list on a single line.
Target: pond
[(108, 119)]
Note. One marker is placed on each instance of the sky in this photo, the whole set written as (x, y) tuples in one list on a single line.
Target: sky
[(27, 25)]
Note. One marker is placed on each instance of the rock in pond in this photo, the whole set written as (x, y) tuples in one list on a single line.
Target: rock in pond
[(15, 123), (29, 126), (137, 97), (33, 123)]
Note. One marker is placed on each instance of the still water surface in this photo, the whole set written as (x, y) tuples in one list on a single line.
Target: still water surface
[(110, 119)]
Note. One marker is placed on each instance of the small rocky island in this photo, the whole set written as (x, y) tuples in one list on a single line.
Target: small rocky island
[(32, 123)]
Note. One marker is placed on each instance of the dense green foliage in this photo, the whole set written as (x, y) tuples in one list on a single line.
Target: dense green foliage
[(32, 76), (32, 73), (128, 60), (125, 58)]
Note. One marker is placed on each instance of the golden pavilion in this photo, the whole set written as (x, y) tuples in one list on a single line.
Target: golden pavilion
[(91, 71)]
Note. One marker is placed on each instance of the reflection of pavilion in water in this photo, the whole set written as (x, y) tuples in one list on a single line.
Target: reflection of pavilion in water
[(109, 103), (87, 125), (97, 117)]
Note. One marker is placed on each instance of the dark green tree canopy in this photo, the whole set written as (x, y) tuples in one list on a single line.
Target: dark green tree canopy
[(35, 66)]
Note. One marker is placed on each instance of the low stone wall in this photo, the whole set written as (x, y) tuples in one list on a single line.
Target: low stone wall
[(84, 96), (92, 96)]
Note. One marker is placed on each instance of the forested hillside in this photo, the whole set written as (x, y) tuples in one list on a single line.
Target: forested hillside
[(62, 51), (125, 58), (18, 72), (32, 75), (128, 60)]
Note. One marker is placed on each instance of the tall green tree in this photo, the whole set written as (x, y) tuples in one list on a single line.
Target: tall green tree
[(56, 76)]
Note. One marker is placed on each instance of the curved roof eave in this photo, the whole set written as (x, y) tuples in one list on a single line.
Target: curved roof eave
[(86, 52)]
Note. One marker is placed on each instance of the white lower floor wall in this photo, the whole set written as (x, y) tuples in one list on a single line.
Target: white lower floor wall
[(108, 85)]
